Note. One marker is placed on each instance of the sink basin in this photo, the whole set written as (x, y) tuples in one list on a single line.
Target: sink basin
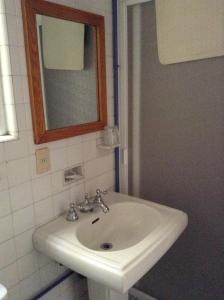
[(114, 249), (125, 226)]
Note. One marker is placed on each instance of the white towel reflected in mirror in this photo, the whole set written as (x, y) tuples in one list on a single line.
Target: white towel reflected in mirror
[(63, 44)]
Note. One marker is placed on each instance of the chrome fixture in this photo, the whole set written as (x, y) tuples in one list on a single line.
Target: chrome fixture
[(72, 214), (88, 205), (98, 200)]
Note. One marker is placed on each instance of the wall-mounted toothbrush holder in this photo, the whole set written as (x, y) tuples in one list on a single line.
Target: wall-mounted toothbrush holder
[(110, 139)]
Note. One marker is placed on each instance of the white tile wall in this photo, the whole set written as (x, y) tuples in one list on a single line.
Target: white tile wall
[(28, 199)]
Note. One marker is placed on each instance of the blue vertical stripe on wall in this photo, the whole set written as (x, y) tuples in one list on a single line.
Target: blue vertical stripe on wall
[(116, 89)]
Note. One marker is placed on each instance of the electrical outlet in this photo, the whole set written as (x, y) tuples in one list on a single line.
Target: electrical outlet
[(42, 160)]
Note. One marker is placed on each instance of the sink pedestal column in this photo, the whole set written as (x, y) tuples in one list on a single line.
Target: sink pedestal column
[(100, 292)]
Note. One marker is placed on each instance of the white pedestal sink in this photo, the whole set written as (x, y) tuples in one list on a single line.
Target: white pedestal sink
[(116, 249)]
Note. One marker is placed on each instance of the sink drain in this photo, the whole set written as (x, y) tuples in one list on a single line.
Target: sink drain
[(106, 246)]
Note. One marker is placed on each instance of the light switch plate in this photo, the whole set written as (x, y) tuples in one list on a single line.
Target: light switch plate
[(42, 160)]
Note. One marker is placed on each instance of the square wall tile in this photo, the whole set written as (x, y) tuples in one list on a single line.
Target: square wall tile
[(2, 153), (58, 144), (77, 193), (29, 125), (41, 187), (2, 6), (20, 31), (14, 293), (61, 202), (18, 8), (7, 253), (57, 181), (27, 265), (6, 228), (5, 208), (42, 260), (12, 29), (21, 115), (75, 154), (22, 58), (23, 220), (21, 196), (9, 276), (3, 177), (74, 140), (43, 211), (89, 149), (89, 136), (49, 274), (17, 82), (59, 159), (18, 171), (30, 286), (24, 243), (10, 7), (99, 166), (15, 67), (18, 148)]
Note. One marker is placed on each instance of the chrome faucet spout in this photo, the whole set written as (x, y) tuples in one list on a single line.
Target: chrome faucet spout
[(88, 205), (104, 207), (98, 201)]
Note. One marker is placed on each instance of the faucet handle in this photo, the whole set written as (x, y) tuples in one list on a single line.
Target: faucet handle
[(99, 192), (72, 206), (86, 198), (72, 214)]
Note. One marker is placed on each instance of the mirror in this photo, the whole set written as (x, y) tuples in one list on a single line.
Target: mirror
[(67, 52), (66, 67)]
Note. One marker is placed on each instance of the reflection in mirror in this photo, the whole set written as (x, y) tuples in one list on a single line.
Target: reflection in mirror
[(68, 56)]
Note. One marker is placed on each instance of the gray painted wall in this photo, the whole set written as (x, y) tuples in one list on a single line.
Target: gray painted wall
[(182, 165)]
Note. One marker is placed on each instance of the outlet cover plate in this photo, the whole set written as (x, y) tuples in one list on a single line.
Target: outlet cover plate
[(42, 160)]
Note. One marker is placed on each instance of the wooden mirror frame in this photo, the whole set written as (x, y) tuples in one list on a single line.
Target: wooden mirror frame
[(30, 8)]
